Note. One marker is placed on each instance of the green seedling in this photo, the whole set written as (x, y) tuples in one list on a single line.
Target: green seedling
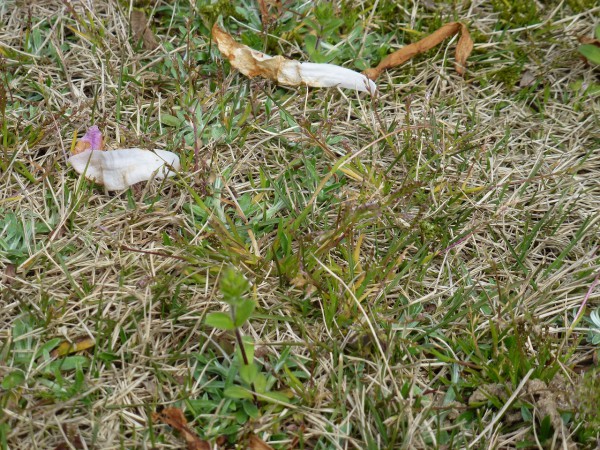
[(234, 288), (591, 51)]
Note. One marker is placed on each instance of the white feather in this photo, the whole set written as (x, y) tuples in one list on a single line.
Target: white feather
[(119, 169)]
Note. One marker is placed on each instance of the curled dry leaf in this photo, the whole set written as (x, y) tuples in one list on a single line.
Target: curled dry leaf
[(92, 140), (10, 272), (589, 40), (141, 31), (256, 443), (119, 169), (527, 78), (285, 71), (175, 418), (463, 49), (72, 347), (74, 440)]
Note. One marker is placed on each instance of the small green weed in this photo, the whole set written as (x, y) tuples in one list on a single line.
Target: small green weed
[(243, 380), (31, 365), (591, 51)]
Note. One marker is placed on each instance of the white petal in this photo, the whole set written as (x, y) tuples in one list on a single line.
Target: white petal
[(289, 73), (330, 75), (119, 169)]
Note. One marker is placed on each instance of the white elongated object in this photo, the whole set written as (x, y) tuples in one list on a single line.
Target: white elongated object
[(323, 75), (119, 169), (289, 72)]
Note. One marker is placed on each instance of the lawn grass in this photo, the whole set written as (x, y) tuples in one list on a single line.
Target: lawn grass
[(419, 259)]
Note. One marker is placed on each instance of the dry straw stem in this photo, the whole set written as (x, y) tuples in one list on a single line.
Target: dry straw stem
[(463, 49)]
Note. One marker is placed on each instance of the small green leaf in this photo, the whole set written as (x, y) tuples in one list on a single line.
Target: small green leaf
[(67, 364), (248, 348), (243, 312), (361, 64), (276, 397), (107, 357), (260, 383), (249, 373), (13, 379), (202, 406), (588, 89), (220, 320), (597, 32), (45, 349), (546, 429), (217, 131), (240, 416), (251, 409), (525, 414), (4, 432), (233, 286), (526, 444), (238, 392), (169, 120), (591, 53)]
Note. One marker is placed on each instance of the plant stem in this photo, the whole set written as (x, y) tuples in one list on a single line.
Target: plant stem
[(240, 342)]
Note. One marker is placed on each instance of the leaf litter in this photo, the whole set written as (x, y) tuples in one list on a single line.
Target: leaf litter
[(121, 168), (286, 71), (175, 418), (141, 31), (463, 49), (75, 346), (256, 443), (290, 72)]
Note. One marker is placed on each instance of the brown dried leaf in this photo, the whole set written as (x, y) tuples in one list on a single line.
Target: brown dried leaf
[(77, 444), (589, 40), (69, 446), (72, 347), (302, 281), (140, 30), (463, 49), (250, 62), (10, 272), (256, 443), (265, 17), (74, 440), (175, 418), (81, 147), (527, 79)]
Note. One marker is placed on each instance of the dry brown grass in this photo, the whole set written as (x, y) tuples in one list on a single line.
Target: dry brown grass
[(443, 206)]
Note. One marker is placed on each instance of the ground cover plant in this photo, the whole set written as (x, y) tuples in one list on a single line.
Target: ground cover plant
[(328, 270)]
